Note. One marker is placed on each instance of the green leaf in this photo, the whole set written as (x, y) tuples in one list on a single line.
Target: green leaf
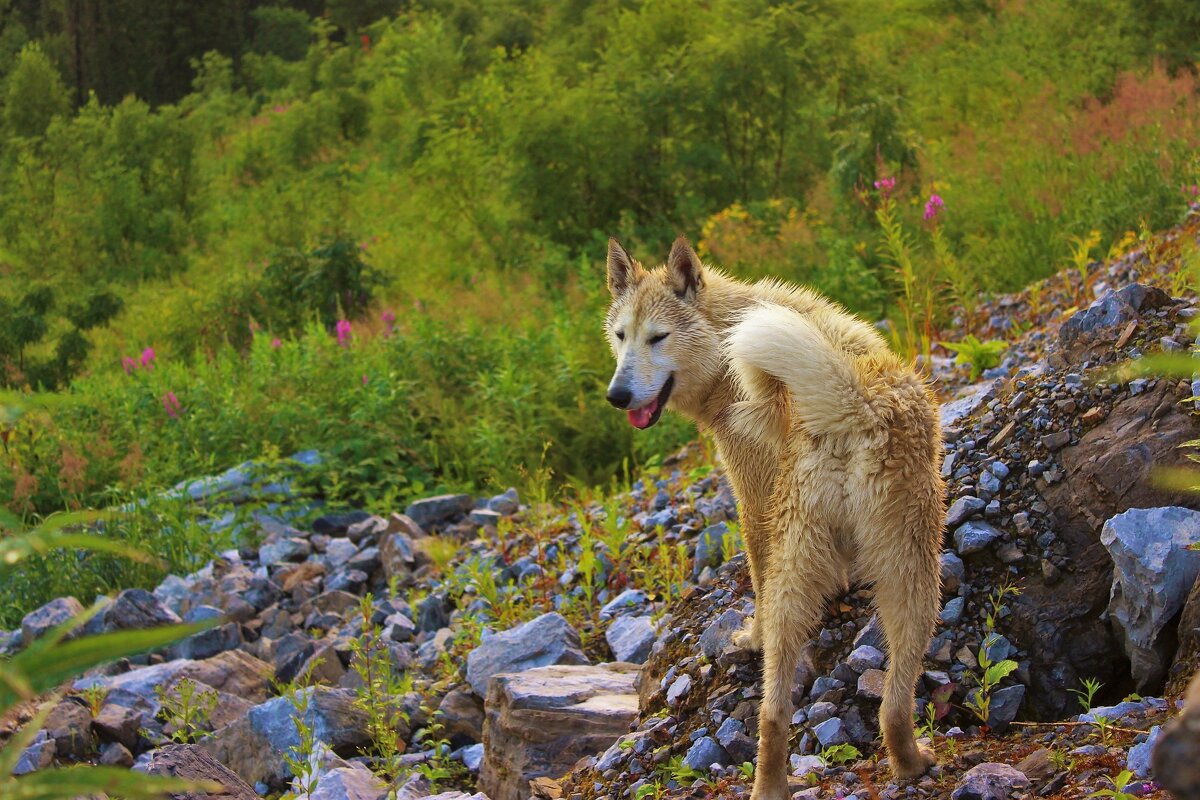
[(18, 548), (71, 782), (999, 671)]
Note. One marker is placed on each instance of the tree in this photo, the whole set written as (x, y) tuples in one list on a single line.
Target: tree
[(35, 94)]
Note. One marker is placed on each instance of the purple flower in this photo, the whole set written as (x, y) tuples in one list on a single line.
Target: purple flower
[(129, 364), (389, 319), (171, 404), (276, 344), (343, 332), (885, 186), (148, 357), (933, 206)]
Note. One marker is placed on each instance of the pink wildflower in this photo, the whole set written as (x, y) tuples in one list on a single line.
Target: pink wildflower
[(343, 332), (148, 357), (885, 186), (171, 404), (364, 379), (933, 207), (389, 319), (276, 344), (129, 364)]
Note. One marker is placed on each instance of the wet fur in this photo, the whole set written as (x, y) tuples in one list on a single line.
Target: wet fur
[(833, 448)]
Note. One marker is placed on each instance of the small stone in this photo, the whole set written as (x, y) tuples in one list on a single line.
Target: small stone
[(705, 752), (972, 537), (678, 690), (40, 620), (953, 572), (864, 658), (870, 684), (990, 781), (631, 638), (830, 732), (1056, 441), (1139, 755), (962, 509), (952, 612)]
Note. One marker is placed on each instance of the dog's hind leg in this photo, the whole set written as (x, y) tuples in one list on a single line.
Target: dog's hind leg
[(802, 577), (905, 569)]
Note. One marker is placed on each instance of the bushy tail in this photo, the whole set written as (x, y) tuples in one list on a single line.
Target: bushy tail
[(773, 344)]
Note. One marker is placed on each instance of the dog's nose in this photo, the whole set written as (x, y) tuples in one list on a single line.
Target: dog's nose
[(619, 396)]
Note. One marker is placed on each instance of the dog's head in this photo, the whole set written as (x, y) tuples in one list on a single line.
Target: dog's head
[(667, 351)]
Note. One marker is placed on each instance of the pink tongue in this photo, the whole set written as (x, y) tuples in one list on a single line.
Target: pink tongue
[(640, 417)]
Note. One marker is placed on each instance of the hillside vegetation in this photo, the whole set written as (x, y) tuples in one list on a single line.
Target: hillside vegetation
[(381, 238)]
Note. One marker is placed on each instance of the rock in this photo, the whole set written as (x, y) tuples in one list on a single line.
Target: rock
[(233, 672), (830, 732), (963, 509), (719, 633), (870, 684), (506, 504), (472, 758), (678, 690), (253, 746), (1100, 323), (397, 556), (135, 609), (433, 511), (627, 602), (630, 639), (347, 783), (1139, 755), (281, 551), (953, 610), (1005, 704), (118, 723), (732, 736), (1175, 759), (462, 716), (484, 517), (705, 752), (1154, 571), (953, 572), (38, 755), (70, 726), (544, 641), (191, 762), (803, 765), (710, 547), (115, 754), (957, 410), (206, 644), (974, 536), (1037, 766), (865, 657), (40, 620), (339, 524), (541, 721), (990, 781)]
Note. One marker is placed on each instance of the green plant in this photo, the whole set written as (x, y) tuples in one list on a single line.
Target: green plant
[(838, 754), (746, 768), (186, 709), (379, 690), (927, 722), (990, 674), (302, 758), (1061, 760), (981, 356), (1087, 693), (440, 769), (1118, 783), (654, 790), (94, 696), (683, 774), (1080, 259), (996, 606), (1104, 729)]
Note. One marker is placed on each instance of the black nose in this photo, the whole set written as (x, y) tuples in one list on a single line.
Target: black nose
[(619, 397)]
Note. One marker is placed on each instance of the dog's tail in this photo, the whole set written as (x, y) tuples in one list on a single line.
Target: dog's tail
[(774, 345)]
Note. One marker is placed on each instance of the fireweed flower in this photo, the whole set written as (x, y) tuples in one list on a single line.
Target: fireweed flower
[(129, 364), (276, 344), (171, 404), (933, 206), (148, 357), (364, 379), (885, 186), (389, 319), (343, 332)]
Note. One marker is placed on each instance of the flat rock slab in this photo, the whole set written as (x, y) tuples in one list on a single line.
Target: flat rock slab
[(191, 762), (539, 722), (541, 642)]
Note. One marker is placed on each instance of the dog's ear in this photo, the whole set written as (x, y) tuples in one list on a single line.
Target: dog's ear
[(623, 271), (685, 270)]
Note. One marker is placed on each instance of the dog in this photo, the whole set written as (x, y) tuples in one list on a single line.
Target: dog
[(833, 447)]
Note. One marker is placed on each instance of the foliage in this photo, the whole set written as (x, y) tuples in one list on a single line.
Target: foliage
[(186, 708), (838, 754), (988, 679), (1118, 782), (379, 691), (1088, 693), (981, 356)]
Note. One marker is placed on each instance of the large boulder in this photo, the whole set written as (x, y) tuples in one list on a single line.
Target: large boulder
[(1101, 323), (254, 745), (232, 672), (1154, 572), (433, 511), (190, 762), (541, 642), (40, 620), (1108, 471), (541, 721)]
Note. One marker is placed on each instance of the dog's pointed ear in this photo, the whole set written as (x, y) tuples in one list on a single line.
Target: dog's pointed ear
[(685, 270), (623, 271)]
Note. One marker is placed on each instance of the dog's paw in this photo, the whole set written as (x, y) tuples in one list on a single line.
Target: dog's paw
[(749, 637), (914, 767)]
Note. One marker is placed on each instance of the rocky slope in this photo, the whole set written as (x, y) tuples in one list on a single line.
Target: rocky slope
[(583, 651)]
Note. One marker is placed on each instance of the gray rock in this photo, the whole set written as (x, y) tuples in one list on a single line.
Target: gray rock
[(340, 523), (953, 610), (631, 638), (719, 633), (433, 511), (679, 689), (626, 602), (1106, 314), (1154, 571), (1139, 755), (963, 509), (40, 620), (997, 648), (1005, 704), (39, 755), (954, 412), (954, 572), (705, 752), (347, 783), (870, 684), (865, 657), (541, 642), (484, 517), (710, 547), (732, 736), (803, 765), (191, 762), (819, 712), (506, 504), (990, 781), (339, 552), (472, 757), (872, 634), (280, 551), (830, 732), (206, 644), (974, 536), (136, 609)]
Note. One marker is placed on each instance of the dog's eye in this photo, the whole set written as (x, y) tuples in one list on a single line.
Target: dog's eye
[(658, 338), (621, 335)]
